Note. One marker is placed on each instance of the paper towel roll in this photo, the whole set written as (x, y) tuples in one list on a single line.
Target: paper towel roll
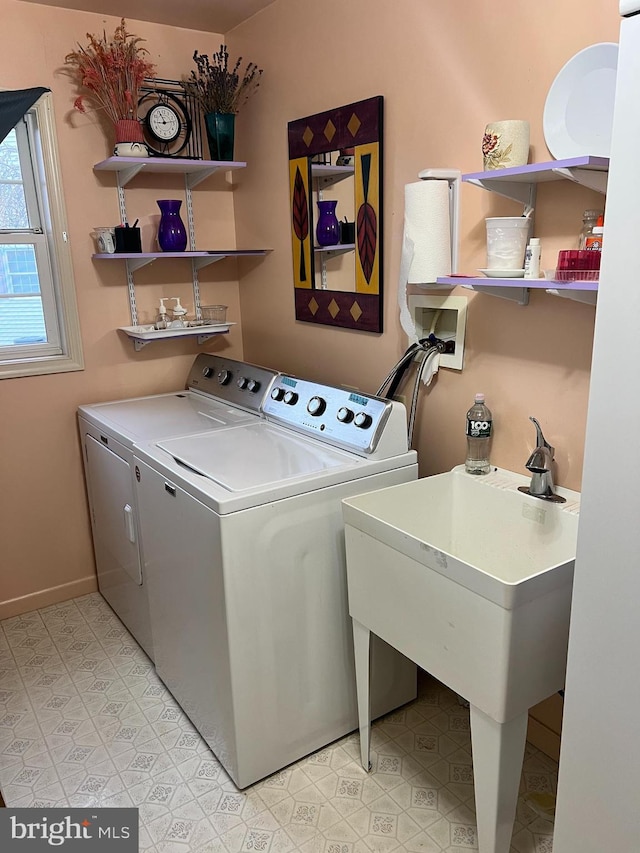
[(427, 224)]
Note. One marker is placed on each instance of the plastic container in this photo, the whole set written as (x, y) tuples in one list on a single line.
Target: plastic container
[(479, 432), (532, 259), (214, 314), (593, 243), (589, 221), (161, 321), (506, 242), (179, 315)]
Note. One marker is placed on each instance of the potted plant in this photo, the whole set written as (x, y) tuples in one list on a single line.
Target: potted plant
[(112, 70), (220, 91)]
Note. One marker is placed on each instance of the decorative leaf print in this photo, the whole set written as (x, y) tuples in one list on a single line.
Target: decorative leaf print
[(365, 162), (366, 229), (300, 213)]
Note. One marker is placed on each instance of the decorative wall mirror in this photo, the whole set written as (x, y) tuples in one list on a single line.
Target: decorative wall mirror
[(335, 185)]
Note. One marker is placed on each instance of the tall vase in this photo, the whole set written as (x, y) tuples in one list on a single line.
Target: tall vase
[(172, 235), (129, 139), (327, 227), (220, 135)]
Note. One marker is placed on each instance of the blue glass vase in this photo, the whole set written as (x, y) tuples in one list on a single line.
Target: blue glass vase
[(172, 235), (220, 134), (327, 227)]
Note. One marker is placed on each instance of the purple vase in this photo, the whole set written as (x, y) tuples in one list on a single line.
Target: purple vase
[(172, 235), (327, 227)]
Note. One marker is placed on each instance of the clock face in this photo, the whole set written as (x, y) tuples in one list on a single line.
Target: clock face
[(166, 122), (163, 123)]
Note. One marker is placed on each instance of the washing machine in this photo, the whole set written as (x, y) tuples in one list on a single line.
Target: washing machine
[(245, 564), (221, 393)]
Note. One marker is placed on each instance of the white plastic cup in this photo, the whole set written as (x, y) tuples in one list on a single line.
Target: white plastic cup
[(507, 238)]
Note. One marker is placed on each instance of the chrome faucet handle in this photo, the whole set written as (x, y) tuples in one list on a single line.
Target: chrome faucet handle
[(540, 464), (541, 441)]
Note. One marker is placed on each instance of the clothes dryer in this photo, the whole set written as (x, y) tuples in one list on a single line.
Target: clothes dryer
[(220, 393)]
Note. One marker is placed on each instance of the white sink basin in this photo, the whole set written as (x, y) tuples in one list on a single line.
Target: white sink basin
[(479, 531), (470, 579)]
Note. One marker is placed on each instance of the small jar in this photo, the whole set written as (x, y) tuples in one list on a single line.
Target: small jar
[(589, 221)]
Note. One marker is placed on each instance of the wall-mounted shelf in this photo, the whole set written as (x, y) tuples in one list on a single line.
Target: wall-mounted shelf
[(517, 289), (143, 335), (338, 249), (519, 182), (326, 176), (194, 172), (136, 260)]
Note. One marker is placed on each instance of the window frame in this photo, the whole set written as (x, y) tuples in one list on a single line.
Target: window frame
[(63, 350)]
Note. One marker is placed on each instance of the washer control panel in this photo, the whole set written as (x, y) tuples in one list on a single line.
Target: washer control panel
[(338, 416), (236, 382)]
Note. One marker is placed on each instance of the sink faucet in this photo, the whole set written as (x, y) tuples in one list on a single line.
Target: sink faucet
[(540, 463)]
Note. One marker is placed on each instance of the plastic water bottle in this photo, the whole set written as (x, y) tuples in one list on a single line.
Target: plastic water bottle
[(479, 427)]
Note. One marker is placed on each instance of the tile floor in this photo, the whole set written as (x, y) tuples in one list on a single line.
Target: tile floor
[(84, 721)]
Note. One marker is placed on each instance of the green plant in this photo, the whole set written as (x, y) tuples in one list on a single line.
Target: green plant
[(216, 87), (112, 70)]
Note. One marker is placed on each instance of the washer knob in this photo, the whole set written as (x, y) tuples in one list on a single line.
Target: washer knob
[(363, 420), (316, 406), (253, 385), (344, 415), (277, 394), (207, 372), (242, 382), (290, 398), (224, 377)]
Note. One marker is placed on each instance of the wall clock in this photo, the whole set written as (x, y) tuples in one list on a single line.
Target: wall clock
[(166, 123)]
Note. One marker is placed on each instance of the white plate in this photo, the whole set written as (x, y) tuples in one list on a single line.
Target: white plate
[(578, 112), (502, 273)]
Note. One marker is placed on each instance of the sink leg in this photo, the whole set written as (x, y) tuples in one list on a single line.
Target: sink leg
[(361, 642), (498, 752)]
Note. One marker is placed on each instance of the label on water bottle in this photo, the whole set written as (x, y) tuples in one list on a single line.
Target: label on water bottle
[(478, 429)]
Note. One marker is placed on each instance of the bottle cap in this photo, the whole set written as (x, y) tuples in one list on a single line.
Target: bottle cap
[(479, 398), (534, 241), (591, 214)]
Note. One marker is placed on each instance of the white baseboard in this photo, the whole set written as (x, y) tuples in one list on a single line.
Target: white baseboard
[(46, 597)]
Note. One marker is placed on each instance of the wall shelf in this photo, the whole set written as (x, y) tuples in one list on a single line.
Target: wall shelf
[(338, 249), (518, 183), (326, 176), (143, 335), (194, 172), (517, 289), (136, 260)]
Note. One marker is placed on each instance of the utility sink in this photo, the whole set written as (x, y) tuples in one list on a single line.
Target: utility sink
[(471, 579), (480, 531)]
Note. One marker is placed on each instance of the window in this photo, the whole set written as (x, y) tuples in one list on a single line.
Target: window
[(39, 328)]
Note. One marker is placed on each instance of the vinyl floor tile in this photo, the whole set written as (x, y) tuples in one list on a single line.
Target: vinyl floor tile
[(85, 721)]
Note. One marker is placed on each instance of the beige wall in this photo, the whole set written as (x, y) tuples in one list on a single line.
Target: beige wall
[(47, 553), (445, 70)]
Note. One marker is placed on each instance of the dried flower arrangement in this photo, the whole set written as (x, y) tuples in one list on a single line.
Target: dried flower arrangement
[(113, 71), (218, 89)]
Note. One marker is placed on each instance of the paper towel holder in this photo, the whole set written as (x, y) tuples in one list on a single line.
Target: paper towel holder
[(453, 178)]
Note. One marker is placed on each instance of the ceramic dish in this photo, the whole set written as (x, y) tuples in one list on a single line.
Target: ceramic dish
[(502, 273), (578, 112)]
